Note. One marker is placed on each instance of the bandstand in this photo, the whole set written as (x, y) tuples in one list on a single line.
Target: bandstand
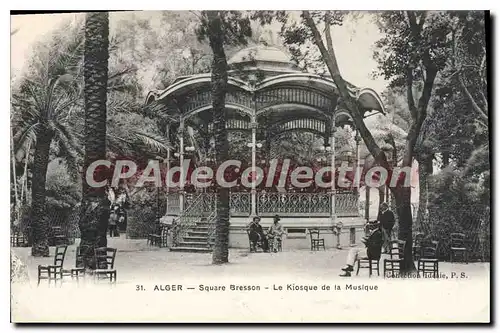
[(267, 96)]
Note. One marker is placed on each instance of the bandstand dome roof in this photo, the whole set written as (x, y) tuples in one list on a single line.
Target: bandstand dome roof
[(262, 57), (259, 71)]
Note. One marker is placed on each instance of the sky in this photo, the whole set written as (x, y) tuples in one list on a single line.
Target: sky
[(353, 43)]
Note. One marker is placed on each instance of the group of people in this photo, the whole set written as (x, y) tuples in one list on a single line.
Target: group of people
[(377, 240), (117, 220), (257, 235)]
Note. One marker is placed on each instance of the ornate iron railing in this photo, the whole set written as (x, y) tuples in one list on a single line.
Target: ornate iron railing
[(199, 206), (211, 227), (346, 203), (318, 204), (240, 203), (173, 204)]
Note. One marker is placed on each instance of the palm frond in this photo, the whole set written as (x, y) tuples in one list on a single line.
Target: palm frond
[(24, 138), (66, 50), (150, 141), (69, 155)]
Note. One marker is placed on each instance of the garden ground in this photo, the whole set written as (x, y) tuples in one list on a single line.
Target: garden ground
[(148, 267)]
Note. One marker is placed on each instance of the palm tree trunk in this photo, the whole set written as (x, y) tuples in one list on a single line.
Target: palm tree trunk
[(39, 223), (13, 159), (219, 87), (95, 205), (424, 171)]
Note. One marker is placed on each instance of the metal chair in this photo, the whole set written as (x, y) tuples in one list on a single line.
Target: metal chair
[(458, 244), (105, 262), (316, 242), (396, 253), (53, 272), (428, 262)]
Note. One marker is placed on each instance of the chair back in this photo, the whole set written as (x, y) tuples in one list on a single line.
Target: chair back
[(397, 249), (60, 255), (78, 257), (105, 257), (417, 240), (314, 233), (457, 240), (429, 250)]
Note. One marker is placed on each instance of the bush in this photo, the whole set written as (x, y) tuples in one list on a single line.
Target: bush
[(142, 214), (458, 205)]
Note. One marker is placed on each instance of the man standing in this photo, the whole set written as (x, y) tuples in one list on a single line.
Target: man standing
[(113, 220), (256, 234), (373, 246), (274, 233), (387, 220)]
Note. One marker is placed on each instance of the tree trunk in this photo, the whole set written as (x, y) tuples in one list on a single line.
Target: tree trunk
[(418, 113), (219, 87), (446, 159), (95, 205), (13, 159), (39, 223), (403, 208), (424, 170), (381, 195), (367, 203)]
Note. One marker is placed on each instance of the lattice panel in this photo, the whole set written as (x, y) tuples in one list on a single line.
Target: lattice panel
[(303, 124), (293, 203), (346, 204), (240, 203), (203, 98), (292, 95)]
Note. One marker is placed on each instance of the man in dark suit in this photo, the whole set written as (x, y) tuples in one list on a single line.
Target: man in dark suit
[(256, 233), (387, 220), (373, 247)]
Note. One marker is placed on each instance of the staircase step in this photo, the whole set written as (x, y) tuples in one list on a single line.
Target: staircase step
[(193, 244), (190, 249), (203, 229), (198, 233), (194, 239)]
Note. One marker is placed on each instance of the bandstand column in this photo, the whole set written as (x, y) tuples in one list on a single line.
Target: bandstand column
[(332, 165), (181, 162), (254, 178), (168, 168), (357, 138)]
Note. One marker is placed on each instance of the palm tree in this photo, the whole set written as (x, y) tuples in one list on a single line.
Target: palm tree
[(41, 104), (95, 205), (219, 87)]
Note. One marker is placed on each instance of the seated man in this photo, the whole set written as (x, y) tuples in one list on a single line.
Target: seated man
[(275, 233), (373, 247), (256, 234)]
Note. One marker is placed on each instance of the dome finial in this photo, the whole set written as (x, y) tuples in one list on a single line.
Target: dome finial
[(266, 38)]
